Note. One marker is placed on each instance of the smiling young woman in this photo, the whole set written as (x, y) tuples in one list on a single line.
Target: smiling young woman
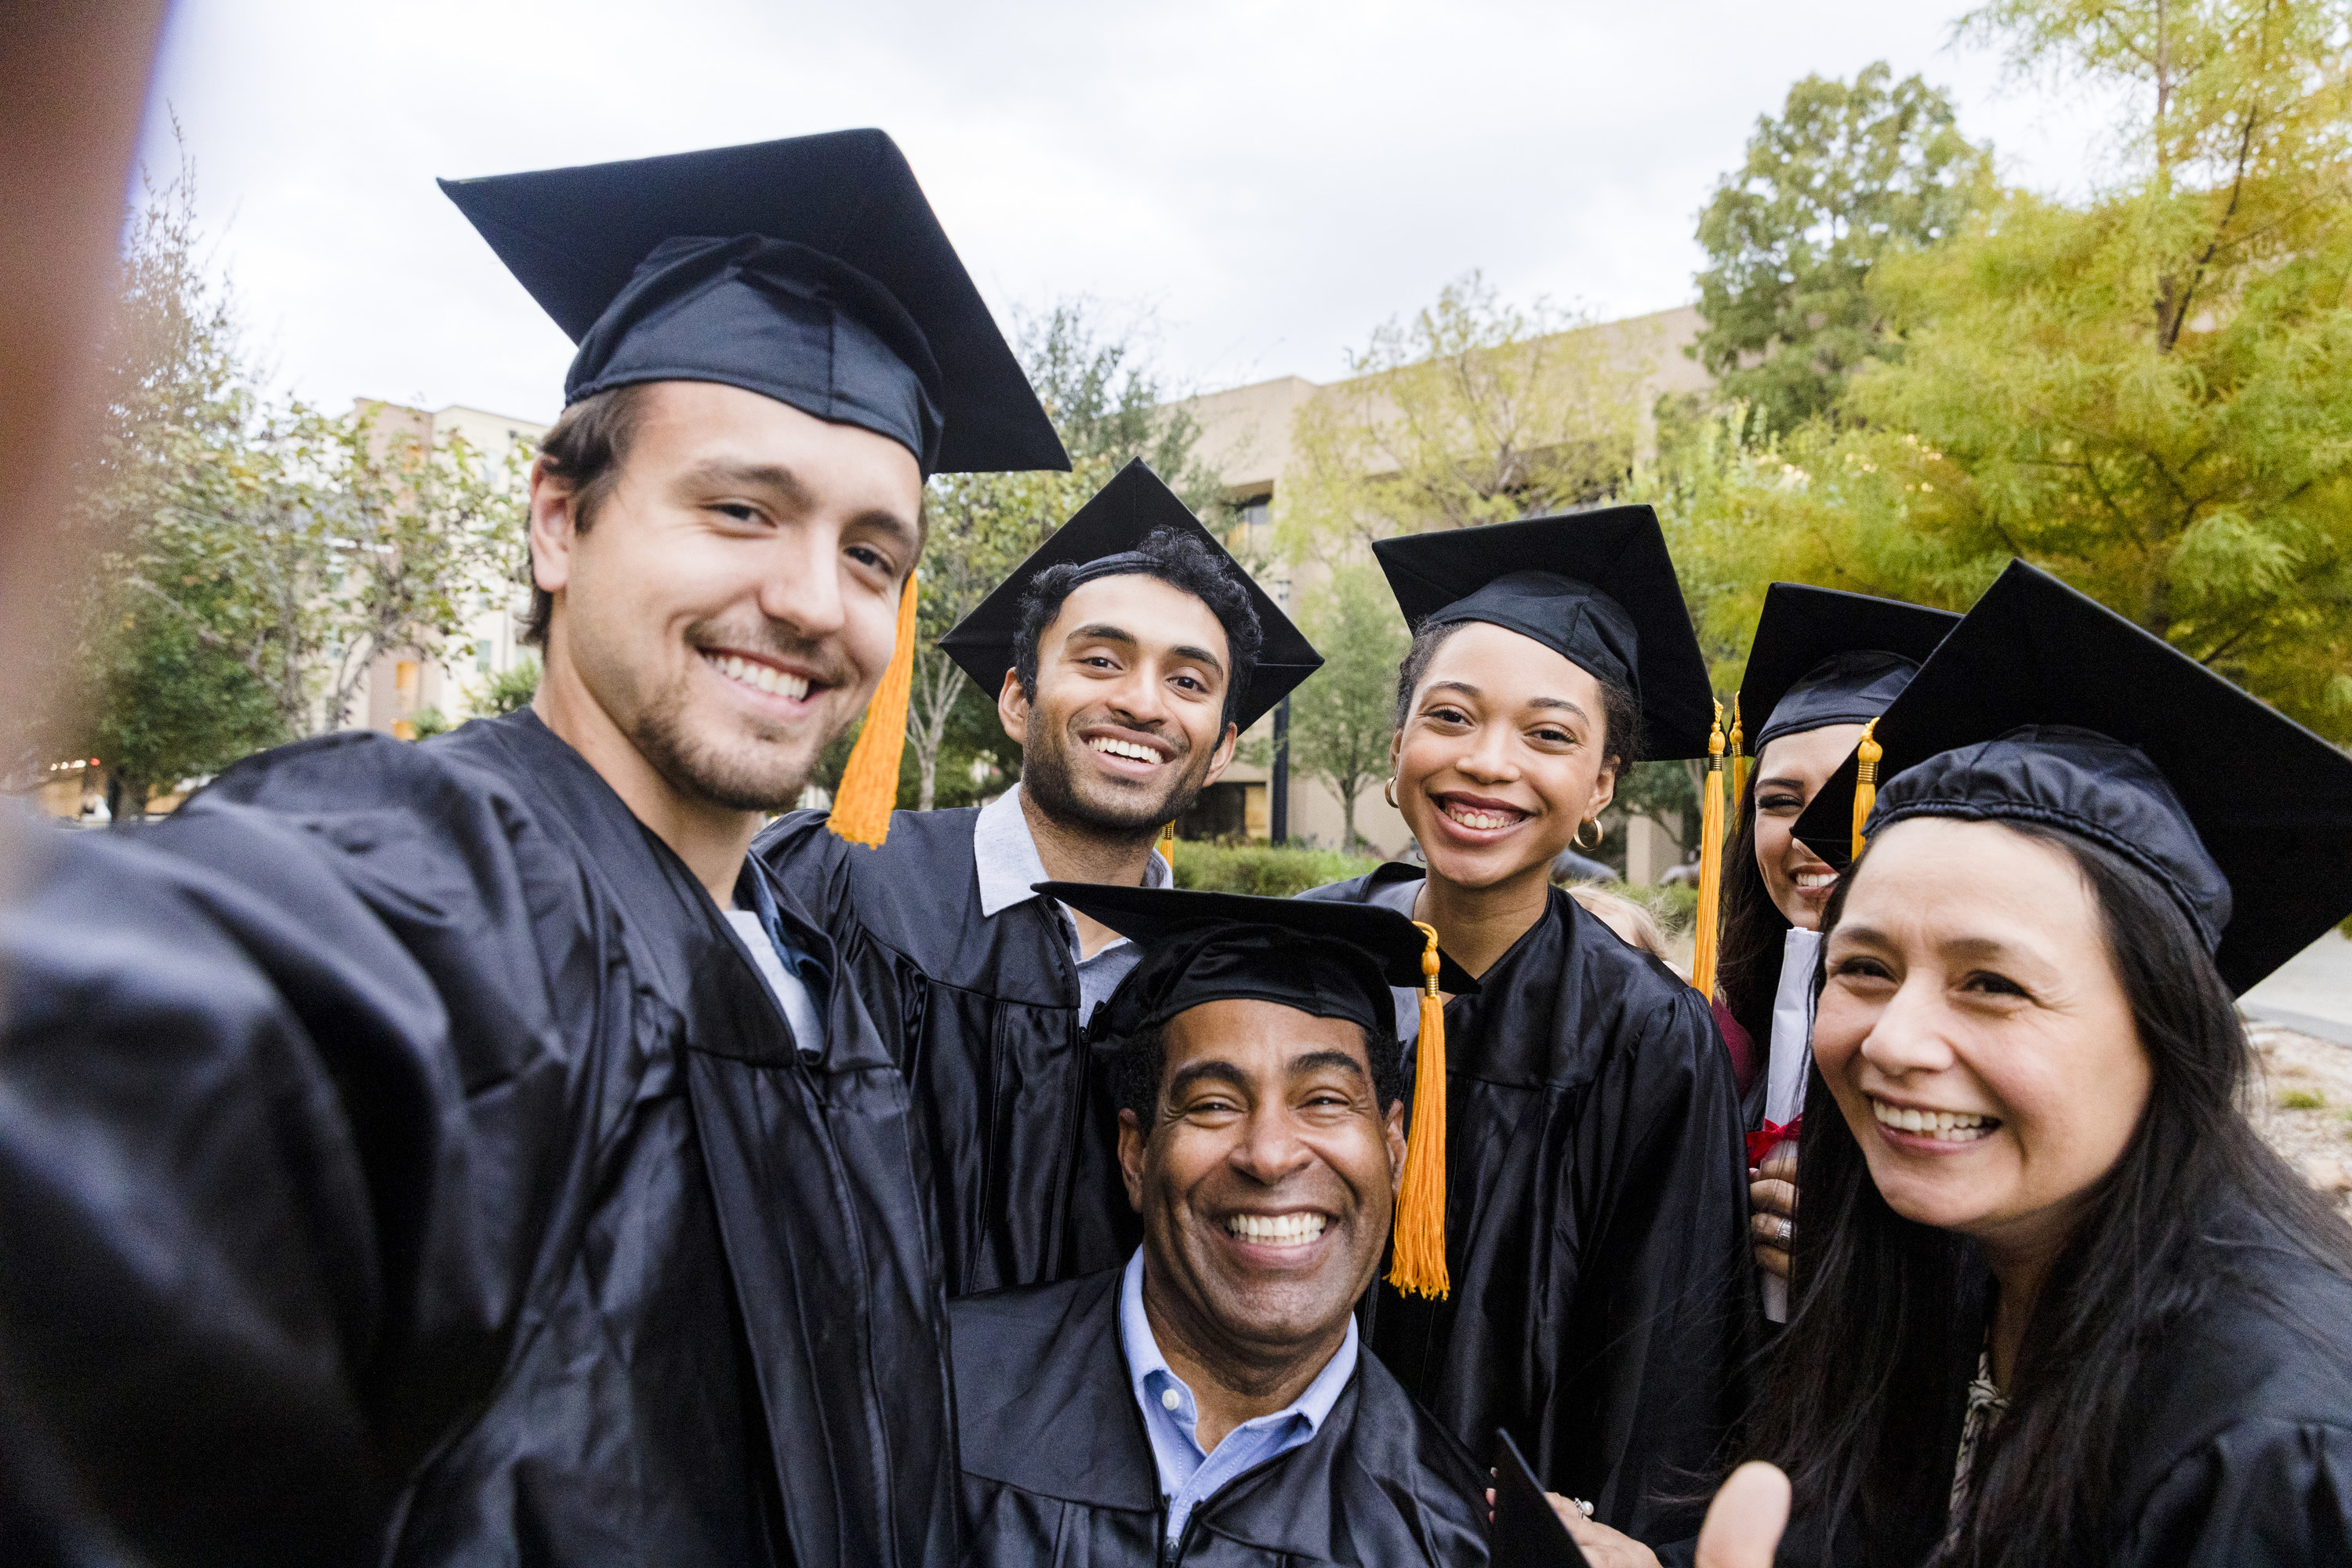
[(1597, 1307)]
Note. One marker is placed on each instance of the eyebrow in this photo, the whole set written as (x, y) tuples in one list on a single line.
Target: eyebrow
[(1315, 1061), (1469, 691), (1779, 781), (1187, 1077)]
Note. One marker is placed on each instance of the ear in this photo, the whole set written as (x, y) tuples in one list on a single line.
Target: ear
[(552, 534), (1604, 788), (1131, 1158), (1013, 708), (1222, 757), (1393, 1125)]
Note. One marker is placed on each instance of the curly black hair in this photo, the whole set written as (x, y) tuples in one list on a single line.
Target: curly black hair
[(1181, 560)]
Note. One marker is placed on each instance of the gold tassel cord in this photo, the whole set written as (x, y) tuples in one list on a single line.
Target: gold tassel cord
[(1739, 761), (1866, 779), (1704, 934), (869, 784), (1418, 1262), (1167, 848)]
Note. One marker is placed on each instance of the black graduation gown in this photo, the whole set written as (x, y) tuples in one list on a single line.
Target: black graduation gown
[(1596, 1223), (1057, 1467), (982, 1016), (400, 1159), (2237, 1433)]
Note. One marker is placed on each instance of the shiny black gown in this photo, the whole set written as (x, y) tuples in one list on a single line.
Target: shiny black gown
[(2237, 1433), (1058, 1468), (982, 1016), (401, 1160), (1603, 1295)]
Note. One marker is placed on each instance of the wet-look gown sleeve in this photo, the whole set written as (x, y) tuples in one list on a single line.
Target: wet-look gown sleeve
[(1603, 1299), (400, 1161), (1058, 1469), (981, 1013)]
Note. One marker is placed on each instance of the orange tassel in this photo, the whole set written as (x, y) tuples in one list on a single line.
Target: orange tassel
[(1739, 761), (1418, 1262), (1167, 848), (869, 784), (1704, 937), (1866, 779)]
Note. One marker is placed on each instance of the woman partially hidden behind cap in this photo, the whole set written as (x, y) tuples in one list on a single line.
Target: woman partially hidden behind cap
[(2056, 1302), (1591, 1289)]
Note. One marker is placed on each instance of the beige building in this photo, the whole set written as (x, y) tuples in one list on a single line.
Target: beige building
[(1244, 441)]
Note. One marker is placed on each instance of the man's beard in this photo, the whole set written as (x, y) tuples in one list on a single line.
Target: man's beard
[(766, 768), (1048, 778)]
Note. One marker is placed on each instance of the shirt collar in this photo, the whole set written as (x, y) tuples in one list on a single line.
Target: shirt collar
[(1006, 852), (1144, 1359)]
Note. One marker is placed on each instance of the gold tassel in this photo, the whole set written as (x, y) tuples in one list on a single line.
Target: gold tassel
[(869, 784), (1866, 779), (1739, 760), (1167, 848), (1418, 1262), (1704, 935)]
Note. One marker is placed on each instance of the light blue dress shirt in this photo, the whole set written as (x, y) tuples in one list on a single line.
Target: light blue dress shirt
[(1188, 1477), (1006, 852)]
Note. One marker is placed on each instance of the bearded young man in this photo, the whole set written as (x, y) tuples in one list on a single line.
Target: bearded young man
[(1128, 655), (463, 1151)]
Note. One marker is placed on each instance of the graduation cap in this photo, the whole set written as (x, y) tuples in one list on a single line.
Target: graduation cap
[(1824, 657), (1328, 958), (1101, 538), (811, 271), (1596, 587), (2045, 706)]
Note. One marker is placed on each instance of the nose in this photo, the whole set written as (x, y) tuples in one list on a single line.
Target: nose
[(1489, 758), (1270, 1149), (1908, 1035), (800, 584), (1139, 696)]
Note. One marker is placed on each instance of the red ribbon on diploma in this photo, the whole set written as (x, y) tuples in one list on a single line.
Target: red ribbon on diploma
[(1761, 1141)]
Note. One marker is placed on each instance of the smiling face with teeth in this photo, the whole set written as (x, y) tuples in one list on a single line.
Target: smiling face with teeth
[(1503, 754), (731, 607), (1976, 1033), (1788, 773), (1128, 724), (1266, 1183)]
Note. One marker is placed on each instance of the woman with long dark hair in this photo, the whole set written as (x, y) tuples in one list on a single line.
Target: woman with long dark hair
[(2057, 1302), (1823, 665), (1595, 1289)]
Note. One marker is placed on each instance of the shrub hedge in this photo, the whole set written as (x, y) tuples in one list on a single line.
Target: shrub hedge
[(1263, 869)]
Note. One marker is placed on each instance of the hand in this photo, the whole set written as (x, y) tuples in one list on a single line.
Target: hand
[(1742, 1530), (1602, 1547), (1772, 1205)]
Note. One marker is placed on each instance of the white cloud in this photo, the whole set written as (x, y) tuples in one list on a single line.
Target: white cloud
[(1272, 176)]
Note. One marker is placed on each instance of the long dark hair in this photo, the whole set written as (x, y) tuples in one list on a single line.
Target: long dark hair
[(1748, 962), (1856, 1406)]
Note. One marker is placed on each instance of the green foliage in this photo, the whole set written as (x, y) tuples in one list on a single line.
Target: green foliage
[(1267, 872), (1341, 718), (429, 722), (511, 689), (1656, 790), (2301, 1100), (1472, 410), (1848, 172)]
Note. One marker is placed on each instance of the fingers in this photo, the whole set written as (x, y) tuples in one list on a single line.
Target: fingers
[(1772, 1197), (1772, 1260), (1744, 1524), (1780, 1167)]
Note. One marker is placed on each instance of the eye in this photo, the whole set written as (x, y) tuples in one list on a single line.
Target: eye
[(1779, 800), (1549, 736), (1192, 683), (740, 511), (868, 556), (1211, 1105), (1861, 966), (1447, 715), (1986, 984)]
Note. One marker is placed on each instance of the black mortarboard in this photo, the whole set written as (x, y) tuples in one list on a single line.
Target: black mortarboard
[(2045, 706), (1824, 657), (810, 271), (1595, 586), (1332, 960), (1101, 537)]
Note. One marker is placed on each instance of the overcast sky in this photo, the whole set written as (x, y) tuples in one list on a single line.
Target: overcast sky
[(1267, 180)]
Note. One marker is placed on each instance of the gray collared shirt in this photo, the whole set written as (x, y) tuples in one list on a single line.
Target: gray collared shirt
[(1006, 854)]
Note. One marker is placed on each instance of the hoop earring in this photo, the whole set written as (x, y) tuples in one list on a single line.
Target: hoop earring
[(1388, 791), (1576, 839)]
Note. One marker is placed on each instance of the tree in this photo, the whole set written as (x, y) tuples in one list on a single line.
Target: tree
[(2149, 393), (511, 689), (1471, 411), (1340, 721), (1107, 404), (1848, 172)]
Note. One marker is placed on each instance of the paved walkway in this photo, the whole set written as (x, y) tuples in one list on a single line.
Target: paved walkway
[(2312, 993)]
